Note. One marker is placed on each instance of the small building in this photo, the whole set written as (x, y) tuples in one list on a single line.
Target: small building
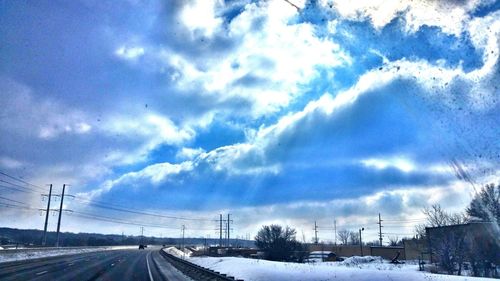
[(474, 237), (389, 252), (416, 249)]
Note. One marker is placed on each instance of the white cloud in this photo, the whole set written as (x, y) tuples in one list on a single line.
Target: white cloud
[(129, 53), (404, 204), (154, 174), (150, 130), (450, 16), (10, 163), (399, 163), (273, 60), (238, 159), (187, 153), (252, 156), (200, 17), (41, 117)]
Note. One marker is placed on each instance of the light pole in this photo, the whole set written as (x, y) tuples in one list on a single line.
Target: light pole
[(360, 240)]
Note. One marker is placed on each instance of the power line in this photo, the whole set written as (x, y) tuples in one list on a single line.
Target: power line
[(7, 205), (94, 217), (98, 204), (20, 180), (19, 186), (16, 189), (134, 211), (12, 200), (94, 203), (115, 220)]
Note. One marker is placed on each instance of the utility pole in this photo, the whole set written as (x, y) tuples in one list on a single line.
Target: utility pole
[(44, 240), (360, 240), (183, 247), (142, 235), (380, 229), (228, 229), (315, 233), (335, 230), (220, 230), (60, 215)]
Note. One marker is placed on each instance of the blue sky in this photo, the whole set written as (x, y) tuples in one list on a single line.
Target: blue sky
[(196, 108)]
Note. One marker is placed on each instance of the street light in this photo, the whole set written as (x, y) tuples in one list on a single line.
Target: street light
[(361, 241)]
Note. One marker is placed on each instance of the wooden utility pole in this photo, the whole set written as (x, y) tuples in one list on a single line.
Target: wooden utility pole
[(315, 233), (335, 230), (380, 229), (220, 230), (228, 229), (183, 245), (360, 240)]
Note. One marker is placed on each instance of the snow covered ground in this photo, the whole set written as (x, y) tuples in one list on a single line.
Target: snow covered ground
[(178, 253), (34, 253), (354, 269)]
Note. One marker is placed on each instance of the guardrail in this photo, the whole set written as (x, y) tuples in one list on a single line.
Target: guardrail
[(195, 271)]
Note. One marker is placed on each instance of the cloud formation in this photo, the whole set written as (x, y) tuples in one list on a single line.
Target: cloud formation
[(253, 106)]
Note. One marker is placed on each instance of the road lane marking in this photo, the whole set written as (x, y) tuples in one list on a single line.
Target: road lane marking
[(149, 269), (42, 272)]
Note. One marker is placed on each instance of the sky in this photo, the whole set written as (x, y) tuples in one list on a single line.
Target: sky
[(327, 111)]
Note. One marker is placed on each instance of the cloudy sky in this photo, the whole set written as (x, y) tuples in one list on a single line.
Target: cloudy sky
[(275, 114)]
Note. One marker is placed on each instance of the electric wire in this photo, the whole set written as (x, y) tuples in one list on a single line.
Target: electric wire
[(20, 180)]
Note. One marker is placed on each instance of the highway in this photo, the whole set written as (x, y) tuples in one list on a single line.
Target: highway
[(147, 265)]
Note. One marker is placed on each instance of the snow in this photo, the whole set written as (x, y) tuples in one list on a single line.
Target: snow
[(8, 255), (178, 253), (366, 268)]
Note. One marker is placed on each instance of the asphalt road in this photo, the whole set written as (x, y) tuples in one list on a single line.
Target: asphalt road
[(137, 265)]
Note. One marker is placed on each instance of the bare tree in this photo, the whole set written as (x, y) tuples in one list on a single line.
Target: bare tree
[(420, 231), (394, 241), (343, 236), (448, 244), (436, 217), (354, 238)]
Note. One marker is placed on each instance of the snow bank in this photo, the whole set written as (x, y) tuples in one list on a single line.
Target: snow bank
[(178, 253), (355, 268), (359, 261), (34, 253)]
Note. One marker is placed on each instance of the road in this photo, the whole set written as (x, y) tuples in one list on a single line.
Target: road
[(147, 265)]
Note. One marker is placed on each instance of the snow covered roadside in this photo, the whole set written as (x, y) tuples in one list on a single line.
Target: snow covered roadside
[(355, 269), (34, 253), (178, 253)]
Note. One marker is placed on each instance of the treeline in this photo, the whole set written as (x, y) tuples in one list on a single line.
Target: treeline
[(33, 237)]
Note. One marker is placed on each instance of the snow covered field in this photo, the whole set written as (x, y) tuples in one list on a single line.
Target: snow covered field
[(354, 269), (34, 253)]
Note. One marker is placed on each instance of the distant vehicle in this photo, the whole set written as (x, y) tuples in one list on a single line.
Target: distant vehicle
[(142, 247)]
